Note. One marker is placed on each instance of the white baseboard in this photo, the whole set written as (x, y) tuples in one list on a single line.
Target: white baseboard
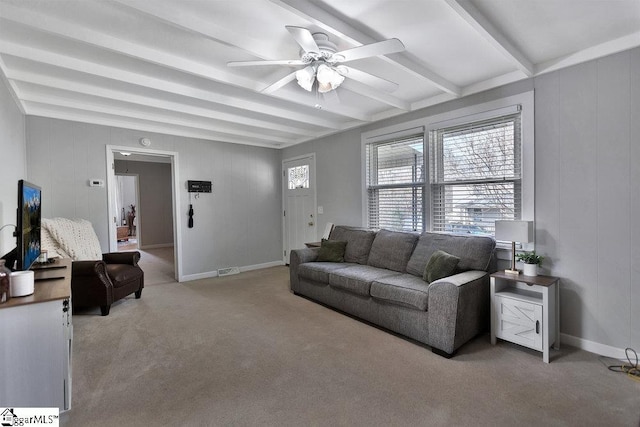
[(593, 347), (210, 274), (260, 266), (160, 245)]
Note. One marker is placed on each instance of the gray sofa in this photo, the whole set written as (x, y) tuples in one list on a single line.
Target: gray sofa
[(380, 281)]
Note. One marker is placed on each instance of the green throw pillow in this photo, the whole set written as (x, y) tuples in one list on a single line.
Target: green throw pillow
[(441, 264), (332, 250)]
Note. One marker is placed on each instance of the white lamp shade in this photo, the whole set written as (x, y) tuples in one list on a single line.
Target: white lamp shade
[(306, 77), (514, 231), (328, 78)]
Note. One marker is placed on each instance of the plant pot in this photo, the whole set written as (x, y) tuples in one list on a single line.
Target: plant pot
[(530, 269)]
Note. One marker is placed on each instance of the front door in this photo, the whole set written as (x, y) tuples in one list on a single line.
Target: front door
[(299, 200)]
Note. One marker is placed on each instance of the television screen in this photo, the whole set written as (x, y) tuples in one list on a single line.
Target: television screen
[(28, 227)]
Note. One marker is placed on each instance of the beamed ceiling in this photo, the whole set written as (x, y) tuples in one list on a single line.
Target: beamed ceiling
[(161, 66)]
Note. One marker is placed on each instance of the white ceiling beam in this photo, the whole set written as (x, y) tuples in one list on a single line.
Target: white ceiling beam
[(176, 15), (83, 116), (332, 24), (598, 51), (87, 67), (212, 113), (85, 35), (13, 90), (124, 110), (364, 90), (72, 31), (467, 11)]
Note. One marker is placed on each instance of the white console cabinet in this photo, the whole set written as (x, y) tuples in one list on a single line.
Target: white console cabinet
[(36, 336), (525, 311)]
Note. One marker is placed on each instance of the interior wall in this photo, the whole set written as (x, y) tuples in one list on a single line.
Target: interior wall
[(236, 225), (12, 164), (155, 213), (587, 197), (587, 200)]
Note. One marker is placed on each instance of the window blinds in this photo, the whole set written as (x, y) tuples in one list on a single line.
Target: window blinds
[(395, 184), (475, 175)]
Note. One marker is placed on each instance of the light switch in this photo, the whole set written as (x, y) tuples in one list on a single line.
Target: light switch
[(320, 210)]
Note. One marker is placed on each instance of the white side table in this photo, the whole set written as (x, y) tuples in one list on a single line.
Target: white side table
[(526, 310)]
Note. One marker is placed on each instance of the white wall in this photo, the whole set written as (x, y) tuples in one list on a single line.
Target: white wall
[(237, 225), (587, 195), (587, 190), (12, 164)]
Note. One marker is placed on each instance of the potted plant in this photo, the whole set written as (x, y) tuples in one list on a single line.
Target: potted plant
[(531, 261)]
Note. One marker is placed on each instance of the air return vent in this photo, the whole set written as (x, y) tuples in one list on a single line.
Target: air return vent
[(228, 271)]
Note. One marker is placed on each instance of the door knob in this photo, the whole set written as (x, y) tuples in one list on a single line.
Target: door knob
[(310, 223)]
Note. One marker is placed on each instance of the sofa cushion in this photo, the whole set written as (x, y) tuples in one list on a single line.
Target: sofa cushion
[(441, 264), (358, 240), (406, 290), (392, 250), (357, 278), (331, 250), (474, 251), (319, 271)]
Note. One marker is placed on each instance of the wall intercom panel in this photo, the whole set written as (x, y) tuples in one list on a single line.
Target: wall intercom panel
[(199, 186)]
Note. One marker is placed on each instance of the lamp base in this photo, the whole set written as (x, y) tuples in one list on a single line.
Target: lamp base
[(514, 272)]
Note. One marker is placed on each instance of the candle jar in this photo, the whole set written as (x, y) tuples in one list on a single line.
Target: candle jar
[(5, 283)]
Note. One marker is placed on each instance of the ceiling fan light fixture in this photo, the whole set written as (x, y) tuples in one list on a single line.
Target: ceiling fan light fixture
[(306, 77), (328, 78)]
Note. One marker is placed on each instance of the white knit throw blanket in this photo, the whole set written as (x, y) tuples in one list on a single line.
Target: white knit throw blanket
[(76, 237)]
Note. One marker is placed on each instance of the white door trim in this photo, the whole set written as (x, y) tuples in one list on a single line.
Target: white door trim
[(312, 162), (177, 233)]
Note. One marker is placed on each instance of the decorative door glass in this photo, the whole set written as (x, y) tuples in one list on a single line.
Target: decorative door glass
[(298, 177)]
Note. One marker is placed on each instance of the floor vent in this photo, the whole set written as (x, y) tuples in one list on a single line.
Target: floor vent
[(228, 271)]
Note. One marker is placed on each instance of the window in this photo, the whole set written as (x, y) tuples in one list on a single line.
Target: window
[(395, 183), (475, 175), (298, 177)]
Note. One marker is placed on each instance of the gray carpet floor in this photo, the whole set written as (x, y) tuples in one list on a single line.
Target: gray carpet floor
[(242, 350)]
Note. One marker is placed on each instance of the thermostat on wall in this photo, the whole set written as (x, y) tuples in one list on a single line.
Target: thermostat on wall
[(96, 183)]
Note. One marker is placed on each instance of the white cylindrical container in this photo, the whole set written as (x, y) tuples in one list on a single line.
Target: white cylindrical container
[(21, 283)]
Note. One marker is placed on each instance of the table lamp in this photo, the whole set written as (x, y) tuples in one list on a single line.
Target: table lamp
[(514, 231)]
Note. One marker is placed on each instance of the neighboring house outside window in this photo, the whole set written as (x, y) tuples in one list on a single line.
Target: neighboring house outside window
[(475, 175)]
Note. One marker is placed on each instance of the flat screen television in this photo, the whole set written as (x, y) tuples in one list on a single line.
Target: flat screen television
[(28, 226)]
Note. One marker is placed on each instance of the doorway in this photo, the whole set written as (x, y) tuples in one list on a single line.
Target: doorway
[(299, 203), (145, 155), (127, 221)]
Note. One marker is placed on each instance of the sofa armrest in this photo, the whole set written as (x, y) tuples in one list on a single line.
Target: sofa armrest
[(458, 309), (130, 258), (297, 257)]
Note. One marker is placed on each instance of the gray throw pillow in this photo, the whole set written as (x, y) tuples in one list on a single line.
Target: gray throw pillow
[(441, 264), (331, 251)]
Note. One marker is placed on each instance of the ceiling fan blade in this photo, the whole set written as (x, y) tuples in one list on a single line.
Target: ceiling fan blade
[(368, 79), (304, 38), (280, 83), (374, 49), (291, 62)]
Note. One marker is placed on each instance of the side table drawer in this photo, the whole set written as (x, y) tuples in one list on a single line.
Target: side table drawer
[(519, 321)]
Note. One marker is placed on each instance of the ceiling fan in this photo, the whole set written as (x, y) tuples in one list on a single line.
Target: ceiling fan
[(323, 69)]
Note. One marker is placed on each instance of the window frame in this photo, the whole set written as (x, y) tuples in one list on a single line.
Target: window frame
[(471, 113), (416, 186)]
